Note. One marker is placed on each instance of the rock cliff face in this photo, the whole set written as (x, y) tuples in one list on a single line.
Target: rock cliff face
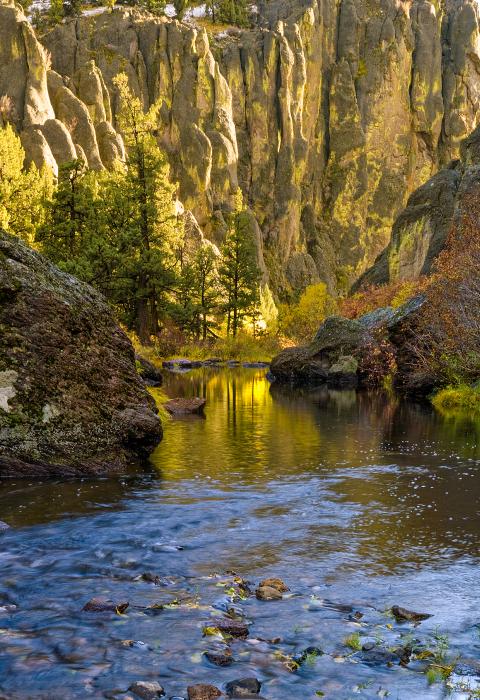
[(71, 401), (420, 231), (328, 115)]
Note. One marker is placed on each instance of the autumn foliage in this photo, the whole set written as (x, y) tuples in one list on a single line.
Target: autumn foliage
[(393, 294), (446, 344)]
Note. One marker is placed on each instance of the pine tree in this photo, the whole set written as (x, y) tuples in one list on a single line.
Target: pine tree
[(180, 7), (22, 191), (207, 285), (239, 271), (69, 216), (231, 12), (149, 230)]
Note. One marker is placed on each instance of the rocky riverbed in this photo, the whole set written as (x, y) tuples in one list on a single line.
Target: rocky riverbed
[(364, 509)]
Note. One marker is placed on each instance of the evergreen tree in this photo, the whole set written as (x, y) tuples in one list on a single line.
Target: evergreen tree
[(239, 272), (207, 285), (149, 230), (22, 191), (180, 7), (197, 295), (156, 7), (231, 12), (72, 8), (69, 216)]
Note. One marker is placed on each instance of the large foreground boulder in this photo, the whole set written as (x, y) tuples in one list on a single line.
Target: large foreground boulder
[(71, 401), (343, 346)]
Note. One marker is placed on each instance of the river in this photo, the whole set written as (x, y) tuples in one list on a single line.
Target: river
[(357, 501)]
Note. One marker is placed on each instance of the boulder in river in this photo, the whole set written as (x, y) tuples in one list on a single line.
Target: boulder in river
[(147, 690), (150, 374), (243, 688), (275, 583), (71, 401), (202, 691), (99, 605), (185, 407), (234, 628), (268, 593), (220, 658), (341, 346)]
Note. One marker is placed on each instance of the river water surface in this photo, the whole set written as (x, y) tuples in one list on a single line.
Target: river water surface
[(357, 501)]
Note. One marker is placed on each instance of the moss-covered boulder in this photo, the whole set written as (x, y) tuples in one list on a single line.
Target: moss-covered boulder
[(71, 401), (343, 346)]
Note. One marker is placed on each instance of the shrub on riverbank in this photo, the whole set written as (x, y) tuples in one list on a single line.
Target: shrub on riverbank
[(457, 398), (244, 347)]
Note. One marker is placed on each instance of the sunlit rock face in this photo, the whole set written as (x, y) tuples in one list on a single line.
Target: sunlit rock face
[(58, 120), (420, 231), (327, 115), (71, 401)]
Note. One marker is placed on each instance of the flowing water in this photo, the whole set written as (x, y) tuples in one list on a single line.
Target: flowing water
[(357, 501)]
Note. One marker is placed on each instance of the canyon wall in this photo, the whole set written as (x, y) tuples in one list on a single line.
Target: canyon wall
[(328, 115)]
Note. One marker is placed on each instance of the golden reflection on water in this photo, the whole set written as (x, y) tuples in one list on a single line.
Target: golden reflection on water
[(404, 476)]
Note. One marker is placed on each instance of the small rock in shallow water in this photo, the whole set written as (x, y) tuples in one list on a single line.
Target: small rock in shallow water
[(402, 614), (151, 578), (201, 691), (185, 407), (379, 657), (147, 690), (167, 547), (242, 688), (219, 658), (7, 608), (235, 628), (3, 526), (306, 654), (104, 605), (268, 593), (276, 583)]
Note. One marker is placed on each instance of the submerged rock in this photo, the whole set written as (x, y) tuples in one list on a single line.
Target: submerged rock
[(147, 690), (243, 688), (71, 401), (306, 654), (185, 407), (202, 691), (224, 658), (104, 605), (234, 628)]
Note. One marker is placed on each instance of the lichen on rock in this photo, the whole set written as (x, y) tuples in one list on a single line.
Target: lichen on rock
[(71, 401)]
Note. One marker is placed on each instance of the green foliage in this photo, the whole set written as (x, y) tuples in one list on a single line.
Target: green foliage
[(242, 347), (180, 7), (301, 321), (238, 272), (462, 397), (198, 293), (231, 12), (70, 217), (353, 641), (72, 8), (156, 7), (119, 230), (22, 191)]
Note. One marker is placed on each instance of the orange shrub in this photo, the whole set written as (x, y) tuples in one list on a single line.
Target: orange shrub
[(393, 294)]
